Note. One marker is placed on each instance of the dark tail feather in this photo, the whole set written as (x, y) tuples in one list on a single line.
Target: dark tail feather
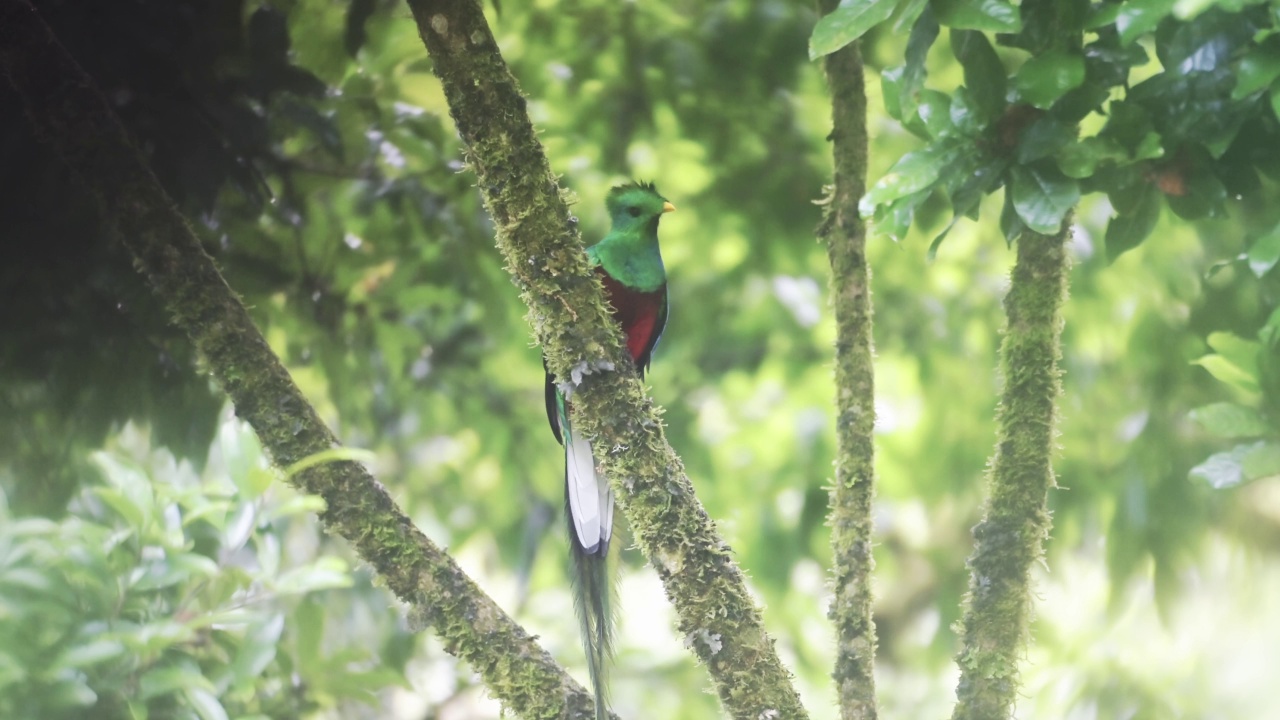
[(593, 600)]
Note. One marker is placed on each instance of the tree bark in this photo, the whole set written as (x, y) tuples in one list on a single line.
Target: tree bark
[(849, 515), (68, 111), (1016, 520), (540, 241)]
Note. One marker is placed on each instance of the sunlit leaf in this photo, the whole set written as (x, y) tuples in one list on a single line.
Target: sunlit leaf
[(1264, 253), (169, 679), (847, 23), (332, 455), (205, 703), (323, 574), (1230, 420), (987, 15), (914, 172), (1134, 18), (90, 653), (1228, 372), (1238, 350)]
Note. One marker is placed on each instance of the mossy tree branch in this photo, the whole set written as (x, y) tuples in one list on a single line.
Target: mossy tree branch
[(67, 110), (844, 232), (1016, 521), (541, 244)]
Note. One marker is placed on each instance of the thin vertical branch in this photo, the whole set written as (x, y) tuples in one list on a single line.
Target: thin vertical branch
[(1016, 521), (850, 504)]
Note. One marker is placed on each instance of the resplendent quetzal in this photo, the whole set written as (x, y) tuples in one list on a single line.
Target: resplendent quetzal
[(629, 264)]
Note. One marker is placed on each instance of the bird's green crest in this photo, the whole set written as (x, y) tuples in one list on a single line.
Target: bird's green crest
[(635, 204)]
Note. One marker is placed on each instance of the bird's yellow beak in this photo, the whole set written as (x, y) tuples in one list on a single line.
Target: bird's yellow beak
[(668, 207)]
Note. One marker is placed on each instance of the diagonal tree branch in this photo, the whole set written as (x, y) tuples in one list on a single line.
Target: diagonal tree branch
[(850, 515), (540, 242), (64, 106), (1016, 522)]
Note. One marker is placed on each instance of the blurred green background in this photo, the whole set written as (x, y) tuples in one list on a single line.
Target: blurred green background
[(152, 566)]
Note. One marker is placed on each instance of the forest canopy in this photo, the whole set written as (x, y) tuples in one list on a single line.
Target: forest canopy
[(158, 558)]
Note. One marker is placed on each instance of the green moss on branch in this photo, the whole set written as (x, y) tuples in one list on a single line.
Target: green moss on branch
[(68, 111), (1016, 522), (540, 242), (850, 505)]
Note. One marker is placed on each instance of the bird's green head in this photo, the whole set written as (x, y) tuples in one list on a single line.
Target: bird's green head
[(636, 206)]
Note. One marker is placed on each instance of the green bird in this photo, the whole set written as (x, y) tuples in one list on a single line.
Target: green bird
[(629, 264)]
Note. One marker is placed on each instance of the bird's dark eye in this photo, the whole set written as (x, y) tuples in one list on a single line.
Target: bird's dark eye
[(633, 211)]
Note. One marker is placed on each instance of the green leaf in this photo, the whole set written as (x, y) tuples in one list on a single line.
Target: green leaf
[(989, 15), (307, 624), (132, 514), (905, 14), (1149, 147), (1045, 137), (916, 171), (1043, 196), (1223, 470), (1128, 229), (1229, 420), (70, 693), (90, 653), (1275, 102), (323, 574), (332, 455), (894, 219), (847, 23), (133, 486), (984, 74), (205, 704), (1256, 71), (1048, 76), (257, 651), (1132, 19), (1241, 352), (173, 569), (1228, 372), (1261, 462), (1011, 225), (1080, 159), (904, 84), (170, 679), (934, 111), (1264, 253)]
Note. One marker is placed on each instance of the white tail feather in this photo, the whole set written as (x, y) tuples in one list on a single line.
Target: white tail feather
[(584, 495)]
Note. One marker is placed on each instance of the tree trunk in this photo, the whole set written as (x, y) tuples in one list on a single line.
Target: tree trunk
[(1016, 520)]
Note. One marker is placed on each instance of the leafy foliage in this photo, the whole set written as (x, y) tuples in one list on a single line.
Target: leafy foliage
[(167, 594), (1076, 117)]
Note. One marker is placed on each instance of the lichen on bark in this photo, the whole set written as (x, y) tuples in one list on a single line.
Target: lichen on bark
[(1016, 521)]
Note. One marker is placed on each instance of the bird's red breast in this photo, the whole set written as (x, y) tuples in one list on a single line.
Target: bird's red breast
[(637, 311)]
